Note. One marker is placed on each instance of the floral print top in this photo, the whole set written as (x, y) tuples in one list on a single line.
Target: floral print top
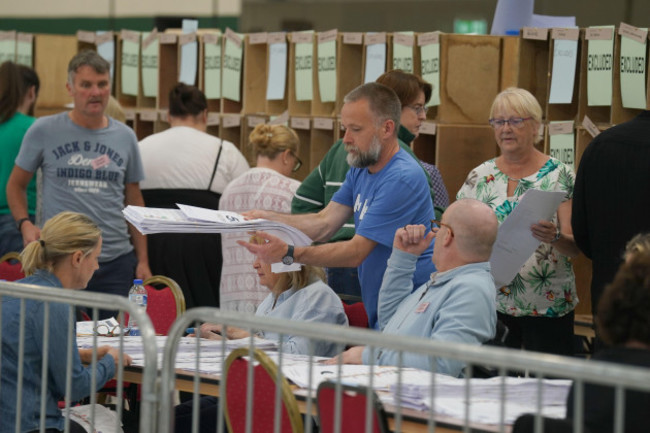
[(545, 285)]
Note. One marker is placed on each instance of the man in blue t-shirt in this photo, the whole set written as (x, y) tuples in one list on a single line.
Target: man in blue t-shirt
[(384, 189)]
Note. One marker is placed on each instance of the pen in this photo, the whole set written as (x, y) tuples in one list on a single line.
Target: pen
[(189, 331)]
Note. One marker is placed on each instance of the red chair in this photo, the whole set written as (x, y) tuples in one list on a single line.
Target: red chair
[(264, 388), (356, 313), (353, 401), (11, 268), (165, 302)]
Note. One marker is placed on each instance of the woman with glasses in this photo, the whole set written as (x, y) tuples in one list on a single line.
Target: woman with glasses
[(266, 186), (65, 258), (537, 305), (184, 164)]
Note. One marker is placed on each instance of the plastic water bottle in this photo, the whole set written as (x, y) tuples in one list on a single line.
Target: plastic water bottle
[(138, 296)]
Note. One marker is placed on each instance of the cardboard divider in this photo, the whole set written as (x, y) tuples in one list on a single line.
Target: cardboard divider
[(52, 53), (424, 145), (349, 61), (533, 64), (277, 106), (563, 111), (429, 67), (469, 77), (510, 46), (213, 122), (250, 123), (148, 61), (621, 114), (129, 114), (598, 114), (230, 129), (254, 73), (144, 123), (208, 62), (229, 105), (296, 107), (375, 39), (460, 148), (324, 133), (318, 106), (411, 64), (168, 59), (124, 99), (302, 126)]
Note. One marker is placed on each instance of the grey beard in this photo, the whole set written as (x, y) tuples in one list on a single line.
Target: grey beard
[(366, 159)]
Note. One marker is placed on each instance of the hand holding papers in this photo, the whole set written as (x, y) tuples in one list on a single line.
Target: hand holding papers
[(515, 243)]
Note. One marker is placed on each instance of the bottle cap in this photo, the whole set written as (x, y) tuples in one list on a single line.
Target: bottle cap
[(137, 281)]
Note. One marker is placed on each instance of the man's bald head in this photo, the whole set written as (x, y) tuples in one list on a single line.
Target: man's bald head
[(475, 227)]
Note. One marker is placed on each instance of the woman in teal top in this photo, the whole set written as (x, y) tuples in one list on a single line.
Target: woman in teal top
[(19, 86)]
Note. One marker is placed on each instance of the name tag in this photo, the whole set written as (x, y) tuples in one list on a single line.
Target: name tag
[(422, 307)]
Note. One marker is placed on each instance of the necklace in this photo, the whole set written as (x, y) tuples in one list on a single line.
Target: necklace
[(513, 179)]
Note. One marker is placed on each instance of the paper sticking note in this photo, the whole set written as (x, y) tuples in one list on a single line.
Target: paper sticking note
[(375, 60), (565, 56), (212, 66), (600, 55), (403, 51), (430, 64), (327, 70), (232, 66), (562, 141), (149, 66), (106, 48), (303, 61), (633, 77), (25, 49), (515, 242), (277, 78), (130, 60), (189, 54), (7, 46)]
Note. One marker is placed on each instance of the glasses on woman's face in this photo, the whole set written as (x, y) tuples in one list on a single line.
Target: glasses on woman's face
[(514, 122), (420, 110), (436, 223), (298, 163)]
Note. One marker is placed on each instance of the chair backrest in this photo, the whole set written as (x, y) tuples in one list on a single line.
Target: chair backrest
[(265, 378), (165, 302), (11, 268), (353, 401), (356, 313)]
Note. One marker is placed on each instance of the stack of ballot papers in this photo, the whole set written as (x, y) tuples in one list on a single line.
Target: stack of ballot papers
[(192, 219), (518, 396)]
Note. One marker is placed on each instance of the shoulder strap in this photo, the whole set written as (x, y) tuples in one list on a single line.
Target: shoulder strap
[(216, 163)]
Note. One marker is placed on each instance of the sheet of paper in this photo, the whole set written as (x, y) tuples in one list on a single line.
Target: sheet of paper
[(304, 73), (231, 72), (375, 62), (511, 15), (7, 49), (633, 77), (403, 55), (130, 60), (600, 70), (150, 67), (562, 148), (327, 71), (430, 55), (24, 53), (189, 55), (107, 51), (515, 242), (212, 69), (277, 79), (550, 21), (565, 56)]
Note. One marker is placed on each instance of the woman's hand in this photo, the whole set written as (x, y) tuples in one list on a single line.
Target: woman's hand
[(210, 331), (353, 355), (544, 231)]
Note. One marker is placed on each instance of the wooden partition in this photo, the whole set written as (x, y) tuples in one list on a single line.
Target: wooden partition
[(321, 104), (533, 63), (213, 122), (232, 65), (424, 146), (302, 126), (299, 62), (620, 113), (144, 123), (599, 114), (210, 59), (247, 149), (255, 73), (565, 110), (168, 59), (324, 133), (230, 130), (428, 67), (375, 39), (125, 99), (277, 41), (52, 53)]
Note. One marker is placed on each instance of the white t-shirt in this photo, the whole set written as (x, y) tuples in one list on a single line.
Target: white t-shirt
[(183, 158)]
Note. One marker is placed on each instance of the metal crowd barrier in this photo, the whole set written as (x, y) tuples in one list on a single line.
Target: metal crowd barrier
[(95, 301), (538, 365)]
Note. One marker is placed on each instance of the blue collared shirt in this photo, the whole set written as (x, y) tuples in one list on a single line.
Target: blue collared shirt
[(33, 358)]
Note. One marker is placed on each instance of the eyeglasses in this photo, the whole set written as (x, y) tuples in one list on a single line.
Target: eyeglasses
[(435, 223), (298, 163), (103, 330), (515, 122), (419, 109)]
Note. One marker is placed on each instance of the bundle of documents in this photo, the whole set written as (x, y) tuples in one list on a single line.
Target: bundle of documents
[(192, 219), (517, 395)]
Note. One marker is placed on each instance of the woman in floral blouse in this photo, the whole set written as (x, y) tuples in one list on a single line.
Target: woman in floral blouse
[(537, 306)]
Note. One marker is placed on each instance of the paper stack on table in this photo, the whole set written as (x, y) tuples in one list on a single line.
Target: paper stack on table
[(192, 219)]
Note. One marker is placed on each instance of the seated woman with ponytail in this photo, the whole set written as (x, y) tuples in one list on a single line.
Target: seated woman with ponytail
[(65, 258)]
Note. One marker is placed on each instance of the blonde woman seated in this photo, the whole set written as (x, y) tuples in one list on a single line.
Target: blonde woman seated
[(65, 257), (300, 295)]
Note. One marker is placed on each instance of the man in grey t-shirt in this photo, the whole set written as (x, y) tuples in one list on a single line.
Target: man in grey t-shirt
[(91, 164)]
